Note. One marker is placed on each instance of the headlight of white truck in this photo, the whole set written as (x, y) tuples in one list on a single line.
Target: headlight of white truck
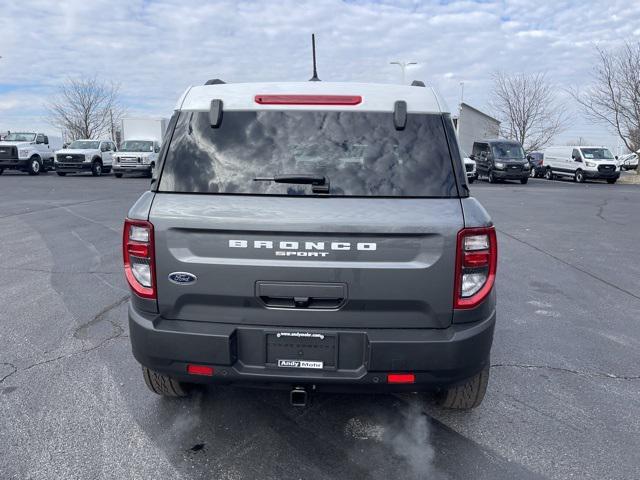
[(23, 153), (590, 164)]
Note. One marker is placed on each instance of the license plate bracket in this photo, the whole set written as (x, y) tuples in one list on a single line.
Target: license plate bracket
[(302, 350)]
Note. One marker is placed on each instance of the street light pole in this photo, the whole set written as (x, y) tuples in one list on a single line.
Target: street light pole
[(403, 66)]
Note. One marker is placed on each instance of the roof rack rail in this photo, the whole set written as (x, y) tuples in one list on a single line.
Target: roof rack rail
[(417, 83), (215, 81)]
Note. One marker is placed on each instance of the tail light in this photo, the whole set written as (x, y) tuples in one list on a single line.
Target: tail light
[(139, 258), (476, 261)]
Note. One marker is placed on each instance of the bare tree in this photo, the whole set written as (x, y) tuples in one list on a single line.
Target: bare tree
[(86, 108), (613, 98), (528, 109)]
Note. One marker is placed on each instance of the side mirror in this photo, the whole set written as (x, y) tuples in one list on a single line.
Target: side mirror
[(616, 157)]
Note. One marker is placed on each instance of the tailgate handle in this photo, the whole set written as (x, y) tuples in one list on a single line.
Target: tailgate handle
[(301, 295)]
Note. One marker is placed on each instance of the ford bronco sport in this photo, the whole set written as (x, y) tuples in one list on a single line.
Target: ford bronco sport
[(314, 236)]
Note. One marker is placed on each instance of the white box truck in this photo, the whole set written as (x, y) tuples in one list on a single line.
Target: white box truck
[(472, 125), (142, 138)]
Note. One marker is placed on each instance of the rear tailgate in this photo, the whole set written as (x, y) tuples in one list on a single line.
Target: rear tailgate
[(307, 261)]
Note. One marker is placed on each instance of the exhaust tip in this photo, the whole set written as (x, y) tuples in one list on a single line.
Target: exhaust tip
[(298, 397)]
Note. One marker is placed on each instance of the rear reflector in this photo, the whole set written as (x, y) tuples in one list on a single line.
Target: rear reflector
[(308, 99), (199, 370), (401, 378)]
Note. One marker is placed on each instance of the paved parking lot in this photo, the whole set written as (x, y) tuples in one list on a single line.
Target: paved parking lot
[(563, 400)]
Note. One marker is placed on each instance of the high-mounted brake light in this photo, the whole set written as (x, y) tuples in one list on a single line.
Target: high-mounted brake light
[(269, 99), (139, 258), (476, 262)]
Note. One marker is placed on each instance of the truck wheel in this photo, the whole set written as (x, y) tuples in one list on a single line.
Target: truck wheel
[(611, 180), (62, 174), (548, 174), (492, 177), (34, 166), (524, 180), (118, 175), (467, 395), (471, 179), (163, 385), (96, 168), (579, 176), (1, 170)]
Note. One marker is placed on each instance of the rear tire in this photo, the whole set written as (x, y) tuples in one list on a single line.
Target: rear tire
[(524, 181), (62, 174), (548, 174), (492, 177), (34, 166), (611, 181), (163, 385), (1, 171), (96, 168), (467, 395), (471, 179), (118, 175)]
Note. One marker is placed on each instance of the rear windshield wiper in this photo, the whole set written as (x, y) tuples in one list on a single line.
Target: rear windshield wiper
[(319, 183)]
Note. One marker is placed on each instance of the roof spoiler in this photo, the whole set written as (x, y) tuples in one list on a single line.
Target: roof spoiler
[(214, 81)]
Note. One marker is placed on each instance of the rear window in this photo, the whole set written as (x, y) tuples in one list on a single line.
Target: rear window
[(359, 153)]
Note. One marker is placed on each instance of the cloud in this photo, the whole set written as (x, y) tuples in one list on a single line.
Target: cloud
[(155, 49)]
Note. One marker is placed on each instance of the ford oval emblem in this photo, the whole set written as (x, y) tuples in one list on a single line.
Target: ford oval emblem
[(182, 278)]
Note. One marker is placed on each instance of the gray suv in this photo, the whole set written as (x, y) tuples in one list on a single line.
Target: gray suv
[(315, 236)]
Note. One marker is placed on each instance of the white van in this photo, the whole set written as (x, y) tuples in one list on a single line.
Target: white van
[(580, 163)]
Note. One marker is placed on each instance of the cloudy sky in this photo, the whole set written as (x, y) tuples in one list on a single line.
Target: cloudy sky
[(155, 49)]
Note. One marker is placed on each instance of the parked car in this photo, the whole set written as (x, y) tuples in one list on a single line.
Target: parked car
[(500, 160), (28, 152), (628, 161), (297, 235), (139, 151), (470, 168), (580, 163), (536, 164), (95, 156), (136, 156)]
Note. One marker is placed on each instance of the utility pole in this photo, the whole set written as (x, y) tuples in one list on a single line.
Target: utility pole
[(113, 133), (403, 66)]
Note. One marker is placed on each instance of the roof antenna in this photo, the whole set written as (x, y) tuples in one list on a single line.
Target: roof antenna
[(313, 46)]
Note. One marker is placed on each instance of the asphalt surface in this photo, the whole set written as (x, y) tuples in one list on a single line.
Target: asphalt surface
[(563, 399)]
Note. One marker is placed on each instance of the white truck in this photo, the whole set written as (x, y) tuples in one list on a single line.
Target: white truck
[(138, 152), (95, 156), (473, 125), (28, 152)]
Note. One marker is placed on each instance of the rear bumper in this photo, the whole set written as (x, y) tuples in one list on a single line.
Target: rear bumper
[(14, 163), (238, 353)]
